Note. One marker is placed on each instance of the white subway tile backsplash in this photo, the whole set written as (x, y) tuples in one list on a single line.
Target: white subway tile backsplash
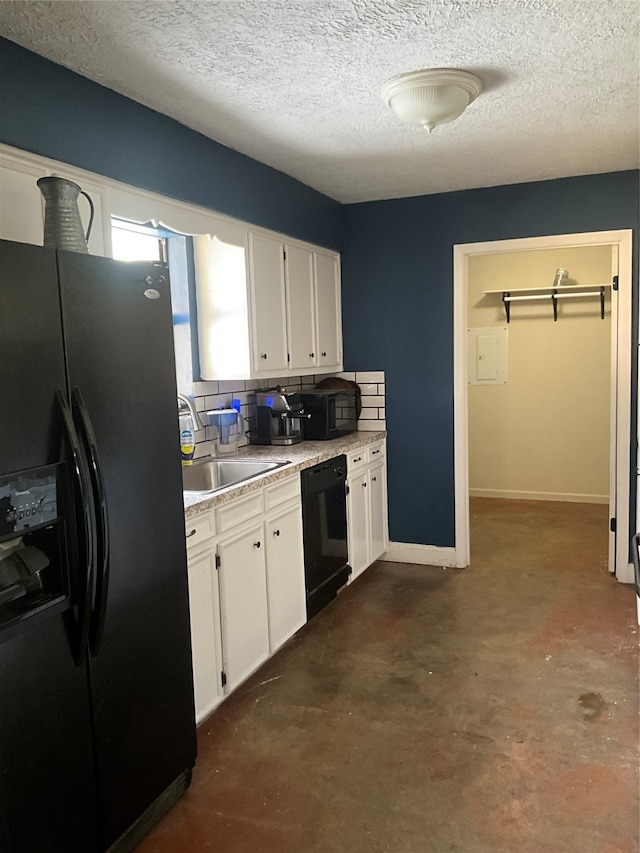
[(201, 389), (219, 394), (371, 426), (230, 385), (376, 401), (258, 384), (243, 396), (368, 388), (219, 401), (370, 376)]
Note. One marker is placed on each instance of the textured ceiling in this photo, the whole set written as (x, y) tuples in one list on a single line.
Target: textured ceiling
[(295, 84)]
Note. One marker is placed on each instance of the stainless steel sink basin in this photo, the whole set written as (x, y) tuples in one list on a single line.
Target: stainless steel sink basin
[(209, 475)]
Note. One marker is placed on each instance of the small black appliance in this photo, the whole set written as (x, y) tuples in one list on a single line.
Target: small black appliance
[(278, 418), (331, 413)]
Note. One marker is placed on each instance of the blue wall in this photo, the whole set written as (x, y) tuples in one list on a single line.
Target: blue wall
[(49, 110), (398, 314)]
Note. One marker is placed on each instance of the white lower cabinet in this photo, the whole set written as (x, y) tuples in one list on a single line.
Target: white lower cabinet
[(206, 643), (358, 523), (366, 507), (246, 586), (285, 574), (378, 527), (243, 604)]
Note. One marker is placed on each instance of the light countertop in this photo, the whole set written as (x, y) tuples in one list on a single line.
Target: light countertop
[(299, 456)]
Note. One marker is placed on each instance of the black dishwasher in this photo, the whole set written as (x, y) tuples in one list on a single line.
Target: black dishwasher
[(324, 519)]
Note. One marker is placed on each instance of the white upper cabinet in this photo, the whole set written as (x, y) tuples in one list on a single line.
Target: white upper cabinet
[(313, 310), (300, 307), (329, 316), (268, 303), (221, 263), (267, 306), (21, 211)]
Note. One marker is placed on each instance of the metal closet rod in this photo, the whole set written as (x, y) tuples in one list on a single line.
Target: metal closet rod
[(549, 296), (554, 296)]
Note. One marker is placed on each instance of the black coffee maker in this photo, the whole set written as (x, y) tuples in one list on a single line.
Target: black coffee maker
[(278, 418)]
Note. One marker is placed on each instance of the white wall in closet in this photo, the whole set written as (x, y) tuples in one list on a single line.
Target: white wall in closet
[(545, 433)]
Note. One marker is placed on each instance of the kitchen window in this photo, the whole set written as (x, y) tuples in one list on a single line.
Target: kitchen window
[(132, 241)]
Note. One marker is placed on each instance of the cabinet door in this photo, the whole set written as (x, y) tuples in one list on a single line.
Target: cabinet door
[(300, 308), (285, 575), (378, 511), (358, 522), (328, 314), (204, 607), (223, 312), (267, 294), (21, 211), (243, 604)]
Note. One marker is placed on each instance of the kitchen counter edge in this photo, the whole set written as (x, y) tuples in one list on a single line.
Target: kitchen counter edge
[(299, 456)]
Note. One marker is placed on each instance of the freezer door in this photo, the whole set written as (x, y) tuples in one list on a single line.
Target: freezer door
[(32, 365), (118, 333), (47, 780)]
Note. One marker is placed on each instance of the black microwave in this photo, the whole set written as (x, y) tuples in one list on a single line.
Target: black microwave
[(330, 413)]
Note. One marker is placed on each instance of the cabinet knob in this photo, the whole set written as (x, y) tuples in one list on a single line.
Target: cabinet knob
[(312, 355), (256, 544), (276, 533), (358, 459), (375, 479), (193, 533), (324, 355), (264, 355), (364, 485), (373, 452)]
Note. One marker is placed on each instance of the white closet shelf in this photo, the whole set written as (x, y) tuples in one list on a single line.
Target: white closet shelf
[(566, 291)]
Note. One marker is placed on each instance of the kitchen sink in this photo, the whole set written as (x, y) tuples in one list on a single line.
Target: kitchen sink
[(209, 475)]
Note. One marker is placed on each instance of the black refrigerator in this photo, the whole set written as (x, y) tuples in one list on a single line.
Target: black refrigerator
[(97, 732)]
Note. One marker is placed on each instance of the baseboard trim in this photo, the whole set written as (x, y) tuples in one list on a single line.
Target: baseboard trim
[(565, 497), (422, 555)]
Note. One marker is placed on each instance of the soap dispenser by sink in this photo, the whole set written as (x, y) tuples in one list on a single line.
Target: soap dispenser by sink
[(230, 426)]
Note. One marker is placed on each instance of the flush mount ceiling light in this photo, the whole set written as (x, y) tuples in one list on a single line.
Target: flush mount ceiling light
[(430, 97)]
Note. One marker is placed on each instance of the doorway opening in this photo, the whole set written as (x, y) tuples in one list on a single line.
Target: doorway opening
[(470, 256)]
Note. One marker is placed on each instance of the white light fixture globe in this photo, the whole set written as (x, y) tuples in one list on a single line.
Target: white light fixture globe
[(430, 97)]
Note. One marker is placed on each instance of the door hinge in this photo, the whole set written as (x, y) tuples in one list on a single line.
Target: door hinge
[(217, 561), (347, 489), (614, 283), (288, 356), (349, 570), (284, 254), (223, 678), (612, 525)]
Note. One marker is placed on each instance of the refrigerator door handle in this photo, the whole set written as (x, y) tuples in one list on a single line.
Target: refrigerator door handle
[(85, 584), (102, 522), (635, 555)]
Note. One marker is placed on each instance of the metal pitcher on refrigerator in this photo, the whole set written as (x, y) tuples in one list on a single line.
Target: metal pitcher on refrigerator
[(62, 224)]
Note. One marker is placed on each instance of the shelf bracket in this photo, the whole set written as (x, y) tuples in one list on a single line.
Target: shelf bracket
[(507, 304)]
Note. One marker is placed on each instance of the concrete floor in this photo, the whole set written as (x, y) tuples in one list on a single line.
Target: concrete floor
[(431, 710)]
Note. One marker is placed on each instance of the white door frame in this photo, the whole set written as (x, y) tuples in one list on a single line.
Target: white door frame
[(621, 241)]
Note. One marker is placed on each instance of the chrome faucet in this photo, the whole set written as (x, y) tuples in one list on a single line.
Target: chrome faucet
[(185, 402)]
